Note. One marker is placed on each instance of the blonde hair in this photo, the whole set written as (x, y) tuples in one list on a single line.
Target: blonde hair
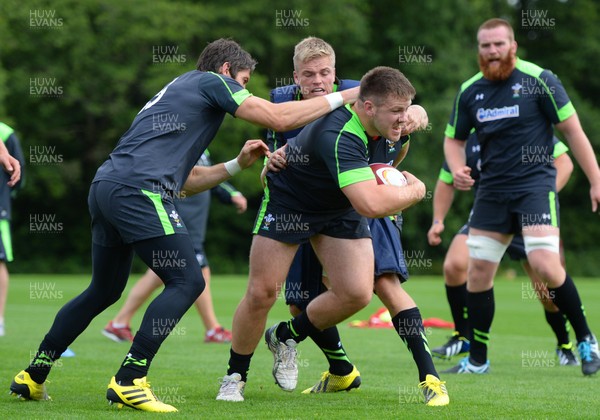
[(311, 48)]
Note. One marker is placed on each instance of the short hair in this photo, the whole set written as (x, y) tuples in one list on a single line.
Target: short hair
[(495, 23), (311, 48), (225, 50), (381, 82)]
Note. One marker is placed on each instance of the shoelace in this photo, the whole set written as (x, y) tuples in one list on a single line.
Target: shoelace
[(288, 357), (146, 386), (438, 387), (229, 385)]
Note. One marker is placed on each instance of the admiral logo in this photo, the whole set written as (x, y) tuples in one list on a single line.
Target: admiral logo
[(479, 96), (493, 114)]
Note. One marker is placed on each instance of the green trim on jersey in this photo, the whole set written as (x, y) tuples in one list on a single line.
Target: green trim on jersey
[(5, 132), (239, 96), (446, 177), (160, 211), (6, 239), (534, 70), (560, 149), (262, 210), (354, 176), (451, 129), (355, 127), (553, 218)]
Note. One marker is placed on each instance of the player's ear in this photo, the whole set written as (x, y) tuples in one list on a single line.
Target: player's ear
[(369, 108), (224, 69), (296, 78)]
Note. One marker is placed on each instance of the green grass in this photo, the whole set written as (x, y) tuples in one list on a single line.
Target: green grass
[(525, 381)]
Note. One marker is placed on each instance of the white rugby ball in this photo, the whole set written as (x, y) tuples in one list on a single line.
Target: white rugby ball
[(388, 175)]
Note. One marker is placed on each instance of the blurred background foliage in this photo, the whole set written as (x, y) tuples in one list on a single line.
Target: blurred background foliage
[(109, 57)]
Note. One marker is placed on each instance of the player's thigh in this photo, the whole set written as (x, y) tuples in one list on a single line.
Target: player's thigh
[(270, 261), (543, 253), (347, 262)]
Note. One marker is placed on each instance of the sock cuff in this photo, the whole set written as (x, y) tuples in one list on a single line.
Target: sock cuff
[(478, 299)]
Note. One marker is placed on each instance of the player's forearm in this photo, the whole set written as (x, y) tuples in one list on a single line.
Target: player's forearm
[(584, 154), (388, 200), (454, 152), (203, 178), (581, 148), (401, 155), (443, 197)]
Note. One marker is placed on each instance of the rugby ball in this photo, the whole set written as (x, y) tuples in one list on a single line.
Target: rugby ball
[(388, 175)]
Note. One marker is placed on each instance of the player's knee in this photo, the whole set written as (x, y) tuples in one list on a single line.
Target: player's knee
[(196, 286), (260, 295), (357, 298), (455, 271)]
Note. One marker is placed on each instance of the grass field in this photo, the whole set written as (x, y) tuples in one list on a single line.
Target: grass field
[(525, 380)]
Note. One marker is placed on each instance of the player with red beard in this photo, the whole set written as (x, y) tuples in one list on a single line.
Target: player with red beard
[(512, 104)]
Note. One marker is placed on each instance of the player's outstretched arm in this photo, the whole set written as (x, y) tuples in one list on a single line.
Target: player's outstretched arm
[(205, 177), (443, 196), (375, 201), (289, 115), (584, 154)]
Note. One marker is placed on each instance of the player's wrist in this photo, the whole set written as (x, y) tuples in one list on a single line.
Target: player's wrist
[(233, 167), (335, 100)]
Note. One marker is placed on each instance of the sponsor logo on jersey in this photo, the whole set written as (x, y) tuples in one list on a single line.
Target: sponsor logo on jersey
[(479, 96), (493, 114)]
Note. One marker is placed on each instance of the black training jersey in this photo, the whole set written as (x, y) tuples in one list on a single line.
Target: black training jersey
[(472, 152), (328, 154), (382, 150), (513, 119), (171, 131)]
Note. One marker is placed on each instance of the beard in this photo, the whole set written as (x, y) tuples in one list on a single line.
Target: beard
[(500, 72)]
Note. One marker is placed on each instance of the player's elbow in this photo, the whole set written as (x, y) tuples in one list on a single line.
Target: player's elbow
[(370, 209)]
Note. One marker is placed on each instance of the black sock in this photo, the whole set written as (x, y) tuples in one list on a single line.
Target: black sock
[(40, 366), (481, 309), (137, 361), (330, 344), (409, 326), (558, 323), (297, 329), (457, 298), (239, 363), (567, 299)]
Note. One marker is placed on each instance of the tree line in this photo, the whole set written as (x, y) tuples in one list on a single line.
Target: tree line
[(73, 74)]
